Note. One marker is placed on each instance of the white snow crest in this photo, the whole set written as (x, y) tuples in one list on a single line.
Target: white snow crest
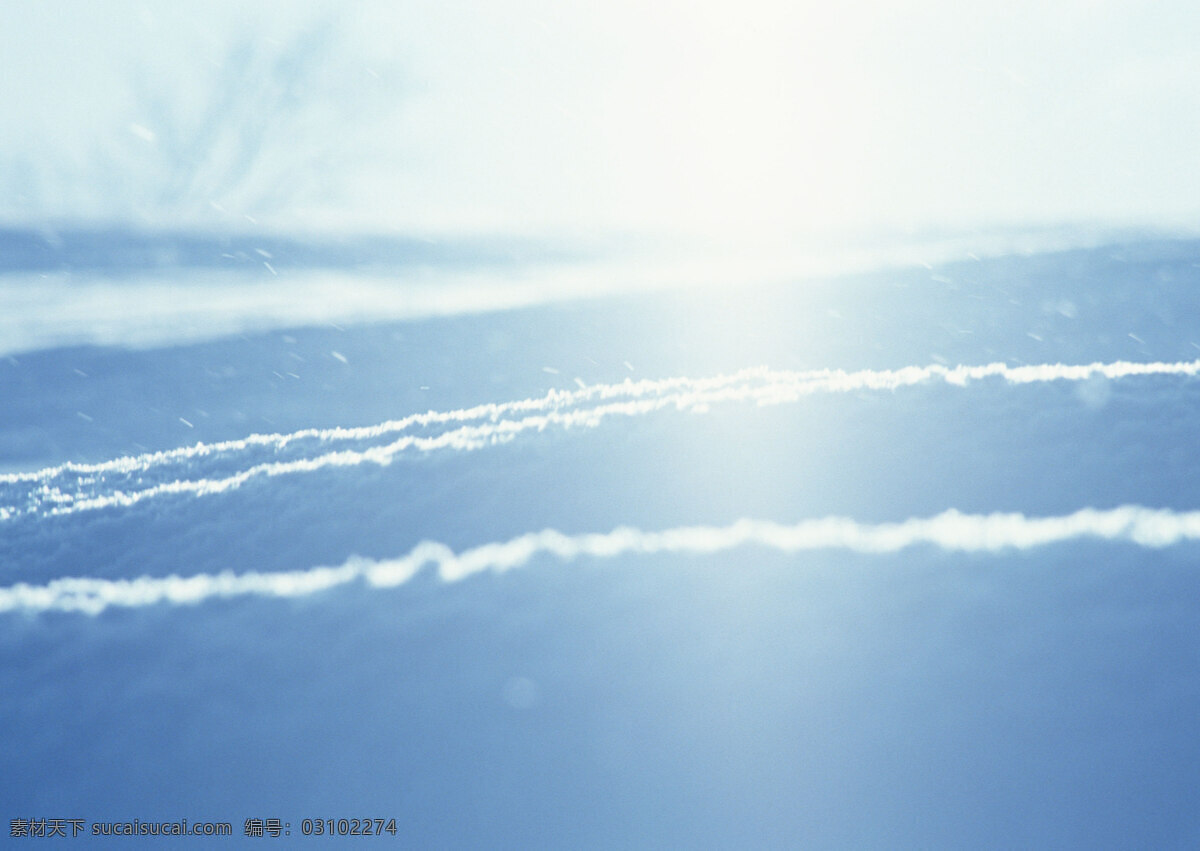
[(951, 531), (205, 469)]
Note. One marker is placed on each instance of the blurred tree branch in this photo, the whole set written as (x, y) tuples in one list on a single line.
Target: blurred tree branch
[(267, 126)]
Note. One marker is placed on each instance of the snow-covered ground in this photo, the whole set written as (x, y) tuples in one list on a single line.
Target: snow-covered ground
[(899, 558)]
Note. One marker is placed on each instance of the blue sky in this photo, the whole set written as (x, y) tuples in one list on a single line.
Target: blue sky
[(745, 119)]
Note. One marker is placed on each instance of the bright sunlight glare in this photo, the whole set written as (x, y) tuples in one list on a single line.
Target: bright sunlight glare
[(746, 118)]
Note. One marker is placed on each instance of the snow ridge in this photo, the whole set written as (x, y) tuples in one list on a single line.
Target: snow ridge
[(950, 530), (205, 469)]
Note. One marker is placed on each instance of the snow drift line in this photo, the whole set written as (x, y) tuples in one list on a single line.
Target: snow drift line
[(123, 482), (950, 530), (492, 411), (832, 380)]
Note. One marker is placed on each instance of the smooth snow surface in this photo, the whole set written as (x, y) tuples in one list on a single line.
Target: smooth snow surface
[(904, 558)]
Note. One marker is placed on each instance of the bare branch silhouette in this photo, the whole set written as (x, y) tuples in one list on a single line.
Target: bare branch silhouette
[(266, 127)]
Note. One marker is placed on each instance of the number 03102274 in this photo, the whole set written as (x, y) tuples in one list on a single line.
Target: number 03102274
[(348, 827)]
